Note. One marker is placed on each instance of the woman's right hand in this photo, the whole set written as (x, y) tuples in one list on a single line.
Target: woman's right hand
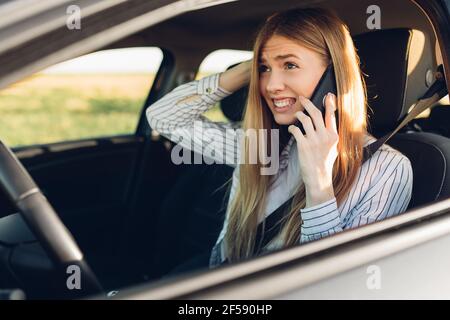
[(236, 77)]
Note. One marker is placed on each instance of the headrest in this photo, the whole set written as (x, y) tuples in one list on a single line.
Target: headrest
[(233, 105), (384, 58)]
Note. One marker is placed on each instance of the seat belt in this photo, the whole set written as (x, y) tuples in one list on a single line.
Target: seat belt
[(436, 92)]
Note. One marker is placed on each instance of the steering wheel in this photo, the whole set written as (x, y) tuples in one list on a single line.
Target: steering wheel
[(45, 224)]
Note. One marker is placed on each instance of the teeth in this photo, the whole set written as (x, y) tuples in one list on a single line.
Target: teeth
[(283, 103)]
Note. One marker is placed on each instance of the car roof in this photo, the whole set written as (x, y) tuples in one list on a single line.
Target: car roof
[(118, 23)]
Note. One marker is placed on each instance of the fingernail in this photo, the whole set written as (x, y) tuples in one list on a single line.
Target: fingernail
[(332, 99)]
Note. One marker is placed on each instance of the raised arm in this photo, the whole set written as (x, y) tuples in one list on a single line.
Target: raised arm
[(178, 115)]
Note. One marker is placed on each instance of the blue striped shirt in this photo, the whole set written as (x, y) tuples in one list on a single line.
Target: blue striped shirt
[(382, 189)]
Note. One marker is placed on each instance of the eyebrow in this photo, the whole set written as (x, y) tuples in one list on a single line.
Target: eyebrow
[(281, 57)]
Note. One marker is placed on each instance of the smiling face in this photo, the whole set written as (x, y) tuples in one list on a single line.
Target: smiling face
[(287, 70)]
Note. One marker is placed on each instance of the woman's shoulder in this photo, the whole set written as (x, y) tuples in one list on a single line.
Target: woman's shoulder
[(387, 160), (386, 149)]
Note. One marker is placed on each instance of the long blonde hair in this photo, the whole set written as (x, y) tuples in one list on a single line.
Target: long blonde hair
[(323, 32)]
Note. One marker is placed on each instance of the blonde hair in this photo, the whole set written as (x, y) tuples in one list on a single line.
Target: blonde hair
[(323, 32)]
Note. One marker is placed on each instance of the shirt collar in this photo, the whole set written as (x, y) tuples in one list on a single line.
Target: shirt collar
[(284, 156)]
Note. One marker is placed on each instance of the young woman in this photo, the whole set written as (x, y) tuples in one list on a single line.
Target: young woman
[(332, 188)]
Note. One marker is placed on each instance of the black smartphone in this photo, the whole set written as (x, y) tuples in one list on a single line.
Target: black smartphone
[(327, 83)]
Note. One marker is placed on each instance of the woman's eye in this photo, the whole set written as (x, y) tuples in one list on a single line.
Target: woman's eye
[(290, 65), (287, 65), (262, 68)]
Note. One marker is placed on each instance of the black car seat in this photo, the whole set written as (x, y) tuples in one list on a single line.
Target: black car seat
[(192, 215), (385, 58), (437, 122)]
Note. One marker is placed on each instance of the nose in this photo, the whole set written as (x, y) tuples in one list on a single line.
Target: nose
[(275, 82)]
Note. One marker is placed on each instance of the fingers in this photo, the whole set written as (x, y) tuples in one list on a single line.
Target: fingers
[(314, 113), (296, 132), (316, 120), (306, 122), (330, 115)]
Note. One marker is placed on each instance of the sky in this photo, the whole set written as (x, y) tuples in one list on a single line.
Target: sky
[(141, 60)]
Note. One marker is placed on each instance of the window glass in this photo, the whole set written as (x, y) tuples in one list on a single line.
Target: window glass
[(99, 94), (219, 61)]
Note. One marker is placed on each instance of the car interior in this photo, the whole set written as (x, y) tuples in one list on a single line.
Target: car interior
[(137, 216)]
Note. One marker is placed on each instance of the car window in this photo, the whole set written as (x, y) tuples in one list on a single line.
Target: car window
[(219, 61), (98, 94)]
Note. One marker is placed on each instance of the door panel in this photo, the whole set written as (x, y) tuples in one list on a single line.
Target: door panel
[(87, 182), (108, 192)]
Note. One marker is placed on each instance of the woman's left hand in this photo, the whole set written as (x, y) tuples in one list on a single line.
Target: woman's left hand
[(317, 149)]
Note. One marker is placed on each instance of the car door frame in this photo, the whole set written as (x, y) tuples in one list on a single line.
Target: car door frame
[(250, 280)]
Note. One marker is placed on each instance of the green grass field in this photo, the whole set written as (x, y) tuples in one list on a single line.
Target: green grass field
[(51, 108)]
